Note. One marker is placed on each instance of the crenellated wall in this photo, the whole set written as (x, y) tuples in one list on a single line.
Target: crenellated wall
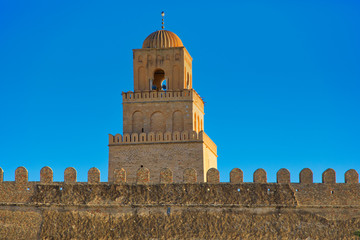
[(160, 137), (153, 137), (305, 186), (161, 96), (164, 209)]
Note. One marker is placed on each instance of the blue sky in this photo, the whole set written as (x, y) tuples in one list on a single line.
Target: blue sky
[(281, 81)]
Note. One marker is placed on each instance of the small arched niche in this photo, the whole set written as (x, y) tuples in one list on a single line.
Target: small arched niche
[(159, 82), (188, 81)]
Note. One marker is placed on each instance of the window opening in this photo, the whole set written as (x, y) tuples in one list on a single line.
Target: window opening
[(164, 85), (159, 77)]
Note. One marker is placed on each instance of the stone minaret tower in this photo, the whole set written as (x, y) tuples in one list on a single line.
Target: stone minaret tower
[(163, 118)]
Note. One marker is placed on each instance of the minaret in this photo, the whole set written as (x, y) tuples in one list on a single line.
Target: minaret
[(163, 118)]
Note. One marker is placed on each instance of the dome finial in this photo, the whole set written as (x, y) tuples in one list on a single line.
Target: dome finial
[(162, 20)]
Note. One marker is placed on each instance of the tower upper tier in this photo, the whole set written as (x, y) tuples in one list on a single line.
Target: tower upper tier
[(162, 64)]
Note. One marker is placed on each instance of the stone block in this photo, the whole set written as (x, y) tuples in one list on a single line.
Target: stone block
[(306, 176), (143, 176), (213, 176), (46, 175), (166, 175), (329, 176), (70, 175), (351, 176), (94, 175), (21, 175), (260, 176), (190, 175), (283, 176), (236, 176), (119, 176)]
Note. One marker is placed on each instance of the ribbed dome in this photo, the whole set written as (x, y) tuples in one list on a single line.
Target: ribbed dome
[(162, 39)]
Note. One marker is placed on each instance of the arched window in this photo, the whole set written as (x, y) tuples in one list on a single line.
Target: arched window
[(159, 77), (164, 85)]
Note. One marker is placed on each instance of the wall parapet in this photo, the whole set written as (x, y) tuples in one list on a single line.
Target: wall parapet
[(160, 96), (190, 175), (236, 192), (153, 137)]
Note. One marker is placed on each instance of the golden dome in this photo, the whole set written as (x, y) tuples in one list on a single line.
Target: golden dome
[(162, 39)]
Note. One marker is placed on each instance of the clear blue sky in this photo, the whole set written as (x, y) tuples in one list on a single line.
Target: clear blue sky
[(281, 81)]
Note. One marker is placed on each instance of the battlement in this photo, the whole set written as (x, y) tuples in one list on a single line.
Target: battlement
[(283, 192), (163, 96), (189, 176), (301, 204), (153, 137), (159, 137)]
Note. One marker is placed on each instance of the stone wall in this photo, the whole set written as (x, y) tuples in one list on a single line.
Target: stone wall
[(148, 210)]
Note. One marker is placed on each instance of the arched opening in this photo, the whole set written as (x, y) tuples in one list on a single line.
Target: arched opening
[(198, 121), (164, 85), (159, 80), (195, 124), (178, 121), (137, 122), (141, 78), (157, 122)]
